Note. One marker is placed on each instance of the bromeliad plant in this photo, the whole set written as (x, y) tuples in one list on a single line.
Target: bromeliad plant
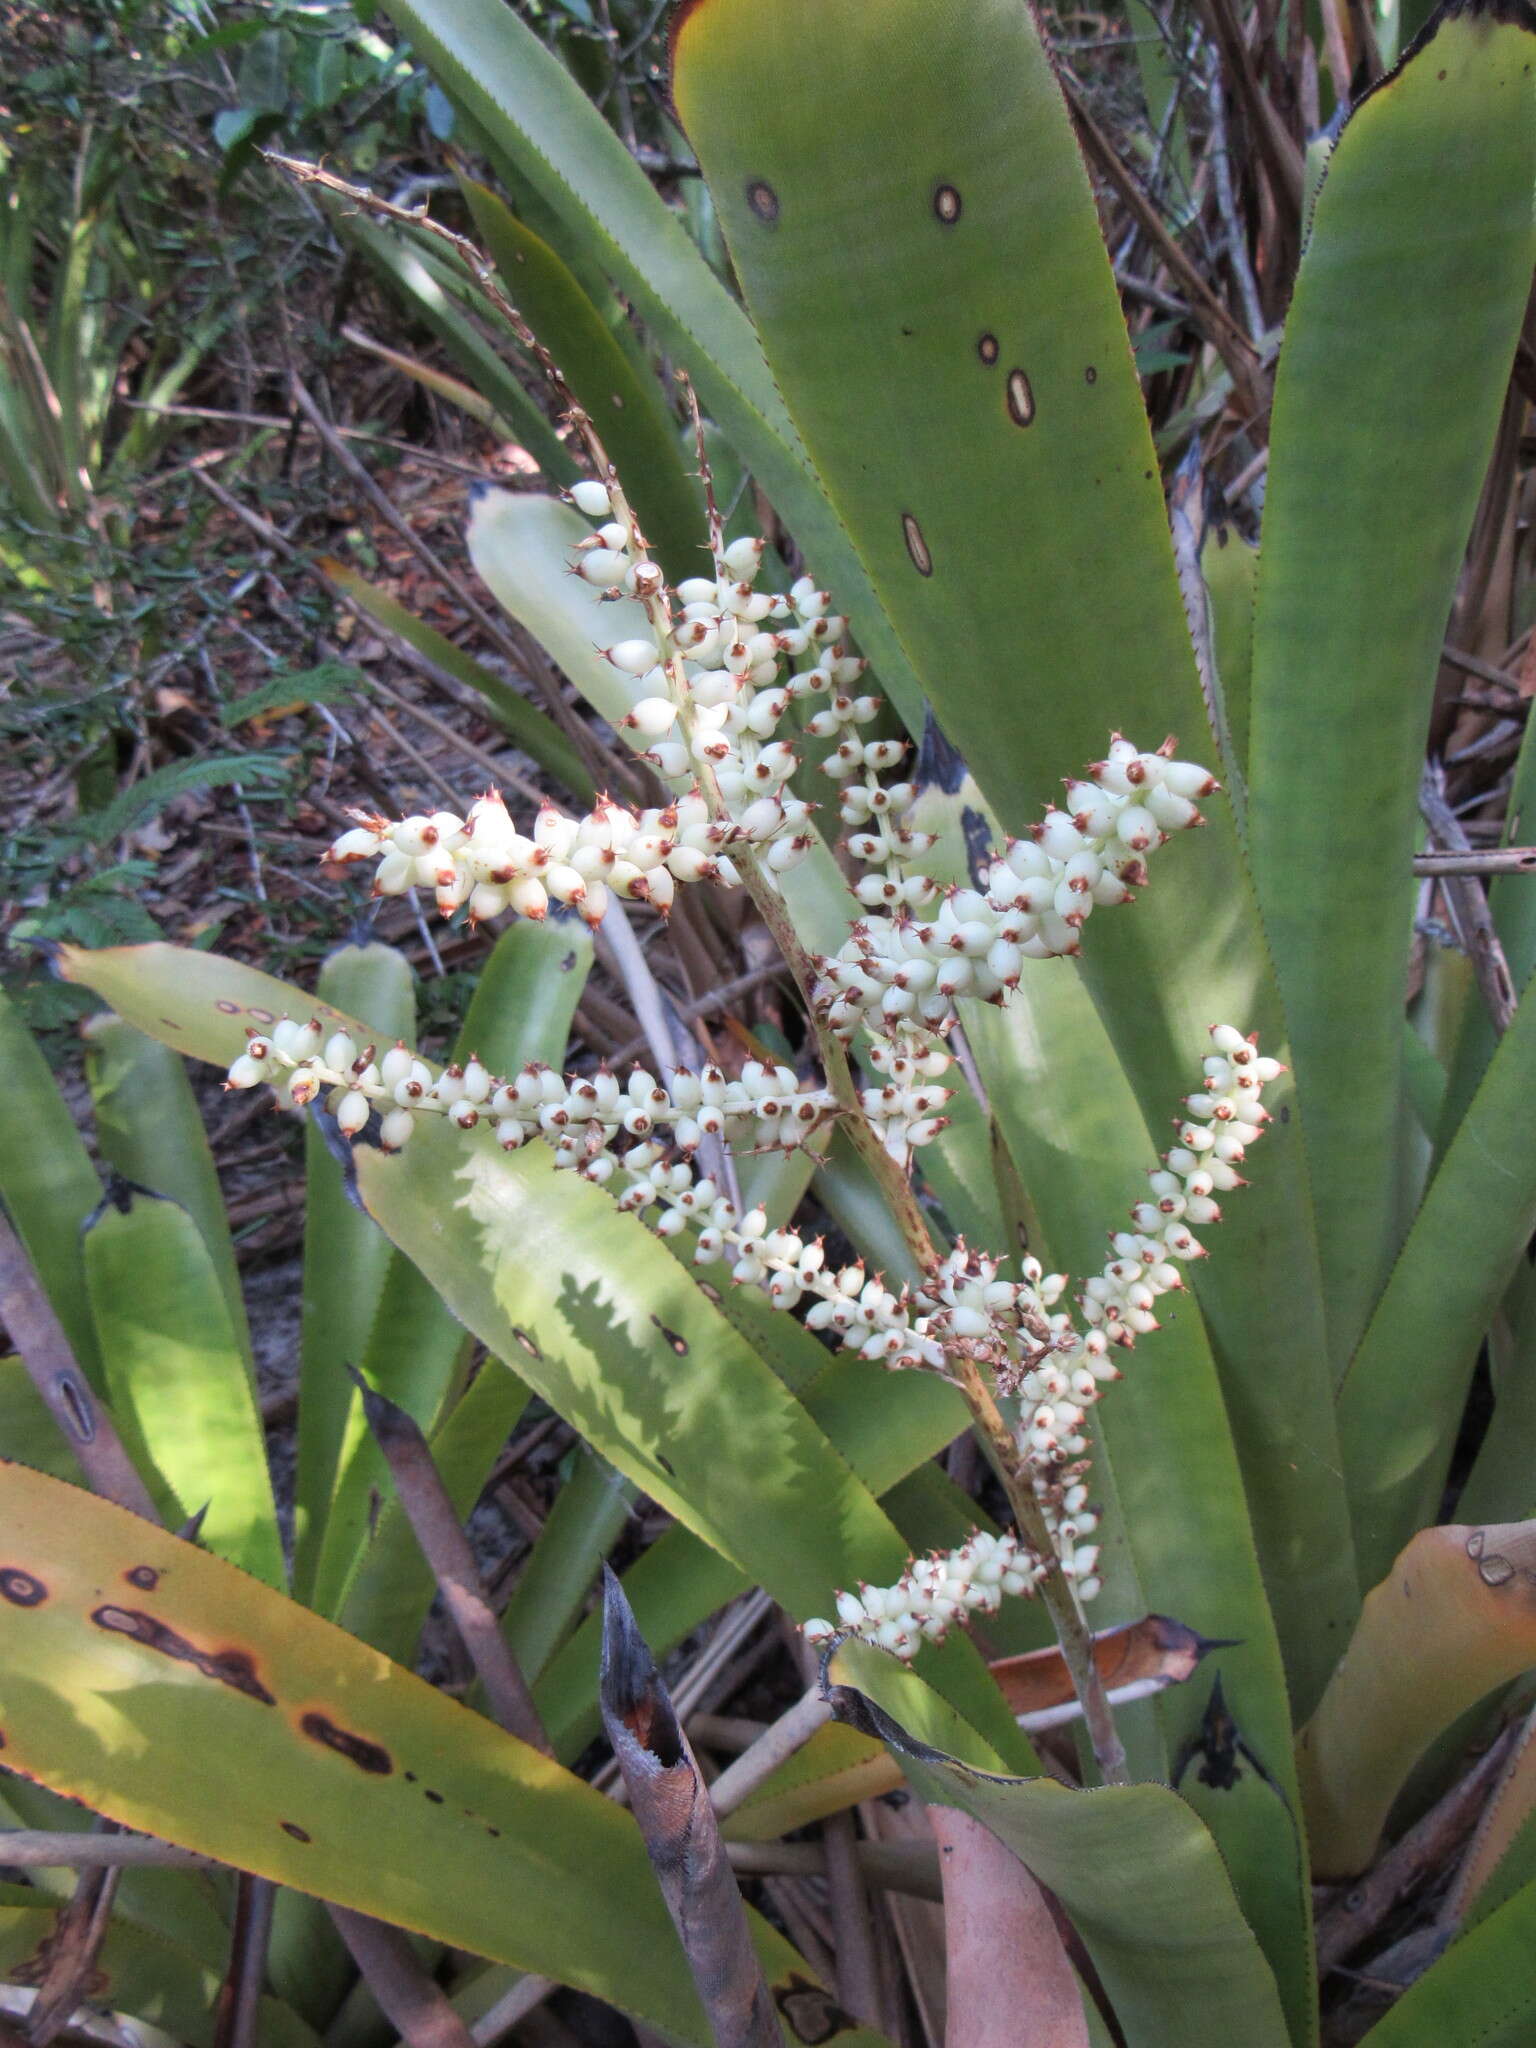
[(713, 665), (935, 392)]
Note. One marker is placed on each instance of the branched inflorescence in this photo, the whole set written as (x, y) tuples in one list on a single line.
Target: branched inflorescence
[(1060, 1366), (718, 675)]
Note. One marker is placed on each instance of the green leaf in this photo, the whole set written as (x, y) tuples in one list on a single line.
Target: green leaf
[(883, 247), (524, 723), (1406, 1385), (1421, 251), (150, 1130), (1480, 1994), (177, 1375), (358, 1782), (522, 1010), (492, 64), (602, 1322), (47, 1183), (1141, 1882), (1079, 1144), (626, 407), (346, 1257)]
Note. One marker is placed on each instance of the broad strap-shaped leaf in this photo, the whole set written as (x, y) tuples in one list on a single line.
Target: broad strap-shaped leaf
[(1420, 254), (149, 1127), (133, 1666), (491, 63), (47, 1182), (926, 271), (416, 1352), (345, 1256), (1140, 1880), (1164, 1433), (1455, 1618), (924, 268), (178, 1378), (1406, 1385), (600, 1320), (1480, 1994)]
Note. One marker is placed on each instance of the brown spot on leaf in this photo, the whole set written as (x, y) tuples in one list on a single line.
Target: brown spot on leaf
[(678, 1344), (230, 1009), (291, 1827), (1021, 399), (262, 1016), (21, 1588), (435, 1797), (666, 1465), (357, 1749), (527, 1343), (763, 200), (234, 1668), (1090, 375), (144, 1576), (947, 204), (917, 547), (986, 348)]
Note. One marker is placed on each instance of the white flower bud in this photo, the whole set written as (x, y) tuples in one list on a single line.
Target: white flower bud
[(633, 657), (653, 717), (351, 1112), (591, 498)]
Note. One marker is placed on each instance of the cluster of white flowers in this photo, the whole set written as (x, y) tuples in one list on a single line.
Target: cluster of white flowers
[(716, 673), (934, 1595), (896, 971), (719, 668), (1037, 1349), (581, 1116), (481, 860)]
